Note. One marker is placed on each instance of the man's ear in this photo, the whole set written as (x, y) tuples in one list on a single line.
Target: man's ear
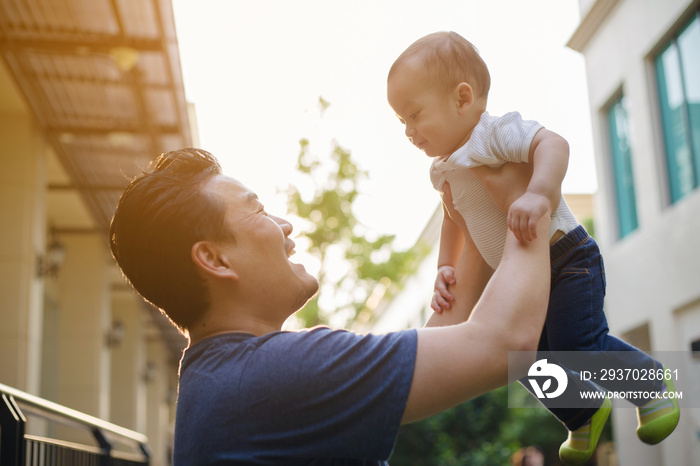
[(207, 257), (465, 95)]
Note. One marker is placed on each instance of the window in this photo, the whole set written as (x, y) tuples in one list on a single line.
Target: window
[(623, 177), (678, 78)]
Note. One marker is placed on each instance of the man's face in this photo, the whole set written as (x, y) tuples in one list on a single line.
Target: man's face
[(261, 250)]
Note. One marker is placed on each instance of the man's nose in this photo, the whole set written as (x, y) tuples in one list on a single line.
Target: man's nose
[(287, 227)]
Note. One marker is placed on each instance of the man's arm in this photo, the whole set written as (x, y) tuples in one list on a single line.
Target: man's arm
[(451, 240), (458, 362), (458, 259), (472, 273), (451, 243)]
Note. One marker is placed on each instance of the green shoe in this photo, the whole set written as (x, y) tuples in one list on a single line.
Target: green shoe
[(658, 418), (582, 442)]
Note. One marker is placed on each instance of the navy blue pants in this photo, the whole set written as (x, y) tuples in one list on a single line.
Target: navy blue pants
[(576, 322)]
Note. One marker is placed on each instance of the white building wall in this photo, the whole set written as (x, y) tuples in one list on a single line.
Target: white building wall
[(409, 306), (653, 273), (22, 239)]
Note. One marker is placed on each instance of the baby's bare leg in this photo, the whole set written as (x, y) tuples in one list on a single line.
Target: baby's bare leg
[(506, 183)]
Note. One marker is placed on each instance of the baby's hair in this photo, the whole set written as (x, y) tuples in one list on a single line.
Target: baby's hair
[(450, 59)]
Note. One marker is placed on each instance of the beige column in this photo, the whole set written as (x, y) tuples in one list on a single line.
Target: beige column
[(22, 239), (128, 355), (84, 321), (160, 393)]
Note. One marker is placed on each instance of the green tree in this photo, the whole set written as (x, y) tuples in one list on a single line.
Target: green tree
[(465, 435), (353, 259), (482, 431)]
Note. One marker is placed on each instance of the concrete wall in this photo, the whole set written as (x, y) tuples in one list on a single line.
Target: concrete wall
[(22, 239), (653, 273)]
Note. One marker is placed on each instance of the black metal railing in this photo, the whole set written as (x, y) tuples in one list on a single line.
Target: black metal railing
[(113, 445)]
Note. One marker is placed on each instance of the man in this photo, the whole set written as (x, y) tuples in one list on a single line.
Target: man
[(200, 246)]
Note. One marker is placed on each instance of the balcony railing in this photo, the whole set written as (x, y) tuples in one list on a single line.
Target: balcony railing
[(113, 445)]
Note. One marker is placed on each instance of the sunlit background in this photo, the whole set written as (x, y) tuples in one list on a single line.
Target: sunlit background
[(90, 90), (256, 69)]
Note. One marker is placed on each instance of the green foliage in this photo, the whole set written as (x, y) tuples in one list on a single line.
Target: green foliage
[(336, 237), (483, 431), (533, 424), (467, 434), (589, 225)]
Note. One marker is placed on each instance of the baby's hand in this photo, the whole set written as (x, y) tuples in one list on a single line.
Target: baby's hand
[(442, 299), (525, 212)]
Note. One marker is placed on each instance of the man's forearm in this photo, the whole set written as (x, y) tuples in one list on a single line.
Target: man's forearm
[(471, 276), (459, 362), (516, 298), (451, 241)]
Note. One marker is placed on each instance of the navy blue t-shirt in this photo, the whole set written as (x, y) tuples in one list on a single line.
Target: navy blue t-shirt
[(313, 397)]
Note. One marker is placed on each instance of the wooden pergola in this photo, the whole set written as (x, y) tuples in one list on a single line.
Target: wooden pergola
[(102, 80)]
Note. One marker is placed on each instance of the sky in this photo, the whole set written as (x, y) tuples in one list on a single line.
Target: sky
[(255, 69)]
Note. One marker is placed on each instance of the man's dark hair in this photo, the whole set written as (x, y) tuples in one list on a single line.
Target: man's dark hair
[(160, 215)]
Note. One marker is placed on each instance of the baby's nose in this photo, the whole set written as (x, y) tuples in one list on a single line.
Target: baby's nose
[(409, 132)]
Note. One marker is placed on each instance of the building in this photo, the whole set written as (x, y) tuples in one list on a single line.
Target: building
[(643, 69), (89, 92)]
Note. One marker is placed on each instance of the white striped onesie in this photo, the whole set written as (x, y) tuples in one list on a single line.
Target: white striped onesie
[(494, 141)]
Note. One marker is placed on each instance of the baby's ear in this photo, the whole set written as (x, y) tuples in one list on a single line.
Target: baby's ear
[(207, 257), (465, 95)]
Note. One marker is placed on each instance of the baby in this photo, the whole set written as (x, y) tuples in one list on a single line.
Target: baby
[(495, 173)]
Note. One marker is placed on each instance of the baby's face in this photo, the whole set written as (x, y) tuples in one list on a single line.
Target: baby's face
[(432, 115)]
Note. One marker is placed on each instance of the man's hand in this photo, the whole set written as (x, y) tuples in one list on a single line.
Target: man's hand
[(505, 184), (442, 298), (508, 188), (525, 212)]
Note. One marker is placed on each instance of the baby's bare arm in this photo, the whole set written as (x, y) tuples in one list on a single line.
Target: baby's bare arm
[(549, 155)]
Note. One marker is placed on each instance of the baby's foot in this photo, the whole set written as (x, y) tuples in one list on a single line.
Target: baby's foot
[(659, 417), (582, 442)]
